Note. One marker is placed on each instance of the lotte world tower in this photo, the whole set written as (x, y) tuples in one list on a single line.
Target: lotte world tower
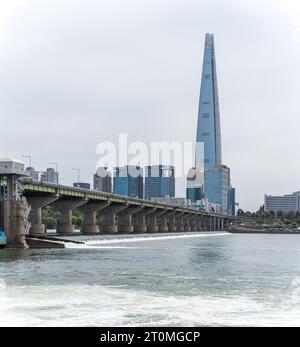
[(209, 129), (214, 188)]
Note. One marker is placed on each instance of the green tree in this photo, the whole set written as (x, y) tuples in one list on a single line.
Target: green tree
[(50, 222)]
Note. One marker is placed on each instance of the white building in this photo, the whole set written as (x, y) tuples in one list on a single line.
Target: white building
[(284, 203)]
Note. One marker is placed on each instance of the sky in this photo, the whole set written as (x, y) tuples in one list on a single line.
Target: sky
[(75, 73)]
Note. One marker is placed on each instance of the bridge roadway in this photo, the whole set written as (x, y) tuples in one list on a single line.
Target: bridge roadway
[(119, 214)]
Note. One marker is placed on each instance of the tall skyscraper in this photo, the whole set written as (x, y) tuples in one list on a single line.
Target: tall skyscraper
[(128, 181), (217, 186), (209, 129), (159, 181)]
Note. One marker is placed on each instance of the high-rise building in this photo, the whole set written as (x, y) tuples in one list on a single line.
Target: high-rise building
[(103, 180), (82, 185), (50, 176), (34, 175), (231, 201), (128, 181), (209, 129), (217, 188), (284, 203), (195, 184), (159, 181)]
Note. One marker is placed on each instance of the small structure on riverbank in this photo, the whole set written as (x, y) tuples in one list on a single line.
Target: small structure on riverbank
[(12, 206)]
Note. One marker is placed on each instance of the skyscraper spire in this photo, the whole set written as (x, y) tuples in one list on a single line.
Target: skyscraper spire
[(208, 130)]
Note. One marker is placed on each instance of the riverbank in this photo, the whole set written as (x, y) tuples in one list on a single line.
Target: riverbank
[(246, 230)]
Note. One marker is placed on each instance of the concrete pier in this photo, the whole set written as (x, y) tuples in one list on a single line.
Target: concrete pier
[(89, 211), (37, 203), (179, 222), (65, 207), (125, 219), (187, 223), (109, 222), (193, 224), (140, 220), (172, 227), (152, 221), (14, 223), (162, 222)]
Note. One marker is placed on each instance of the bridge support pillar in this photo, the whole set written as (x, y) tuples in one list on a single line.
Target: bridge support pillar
[(225, 224), (65, 207), (205, 223), (13, 213), (163, 223), (187, 223), (213, 224), (109, 223), (89, 211), (125, 218), (35, 216), (172, 227), (152, 221), (179, 222), (140, 220), (221, 224), (193, 223)]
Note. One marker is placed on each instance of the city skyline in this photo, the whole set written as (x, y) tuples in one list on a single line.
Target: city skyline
[(73, 87)]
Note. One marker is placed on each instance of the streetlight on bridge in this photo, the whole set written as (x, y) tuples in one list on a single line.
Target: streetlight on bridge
[(56, 169), (78, 173), (29, 157)]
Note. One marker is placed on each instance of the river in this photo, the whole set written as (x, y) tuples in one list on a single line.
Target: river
[(190, 279)]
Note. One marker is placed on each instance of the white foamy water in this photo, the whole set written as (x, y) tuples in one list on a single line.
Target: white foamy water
[(109, 306), (143, 238)]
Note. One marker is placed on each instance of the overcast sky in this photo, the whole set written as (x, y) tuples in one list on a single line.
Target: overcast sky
[(75, 73)]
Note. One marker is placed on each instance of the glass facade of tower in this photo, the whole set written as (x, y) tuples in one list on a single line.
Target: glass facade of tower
[(159, 181), (231, 201), (217, 185), (128, 181), (217, 188), (208, 131)]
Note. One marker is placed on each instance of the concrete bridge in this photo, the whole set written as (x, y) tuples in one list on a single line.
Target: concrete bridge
[(119, 214), (22, 201)]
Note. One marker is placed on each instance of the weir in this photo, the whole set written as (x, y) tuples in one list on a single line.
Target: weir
[(22, 201)]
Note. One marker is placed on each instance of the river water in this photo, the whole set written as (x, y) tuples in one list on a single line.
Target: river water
[(190, 279)]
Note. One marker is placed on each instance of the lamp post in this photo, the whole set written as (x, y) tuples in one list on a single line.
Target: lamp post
[(78, 173), (29, 158), (62, 179), (56, 170)]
